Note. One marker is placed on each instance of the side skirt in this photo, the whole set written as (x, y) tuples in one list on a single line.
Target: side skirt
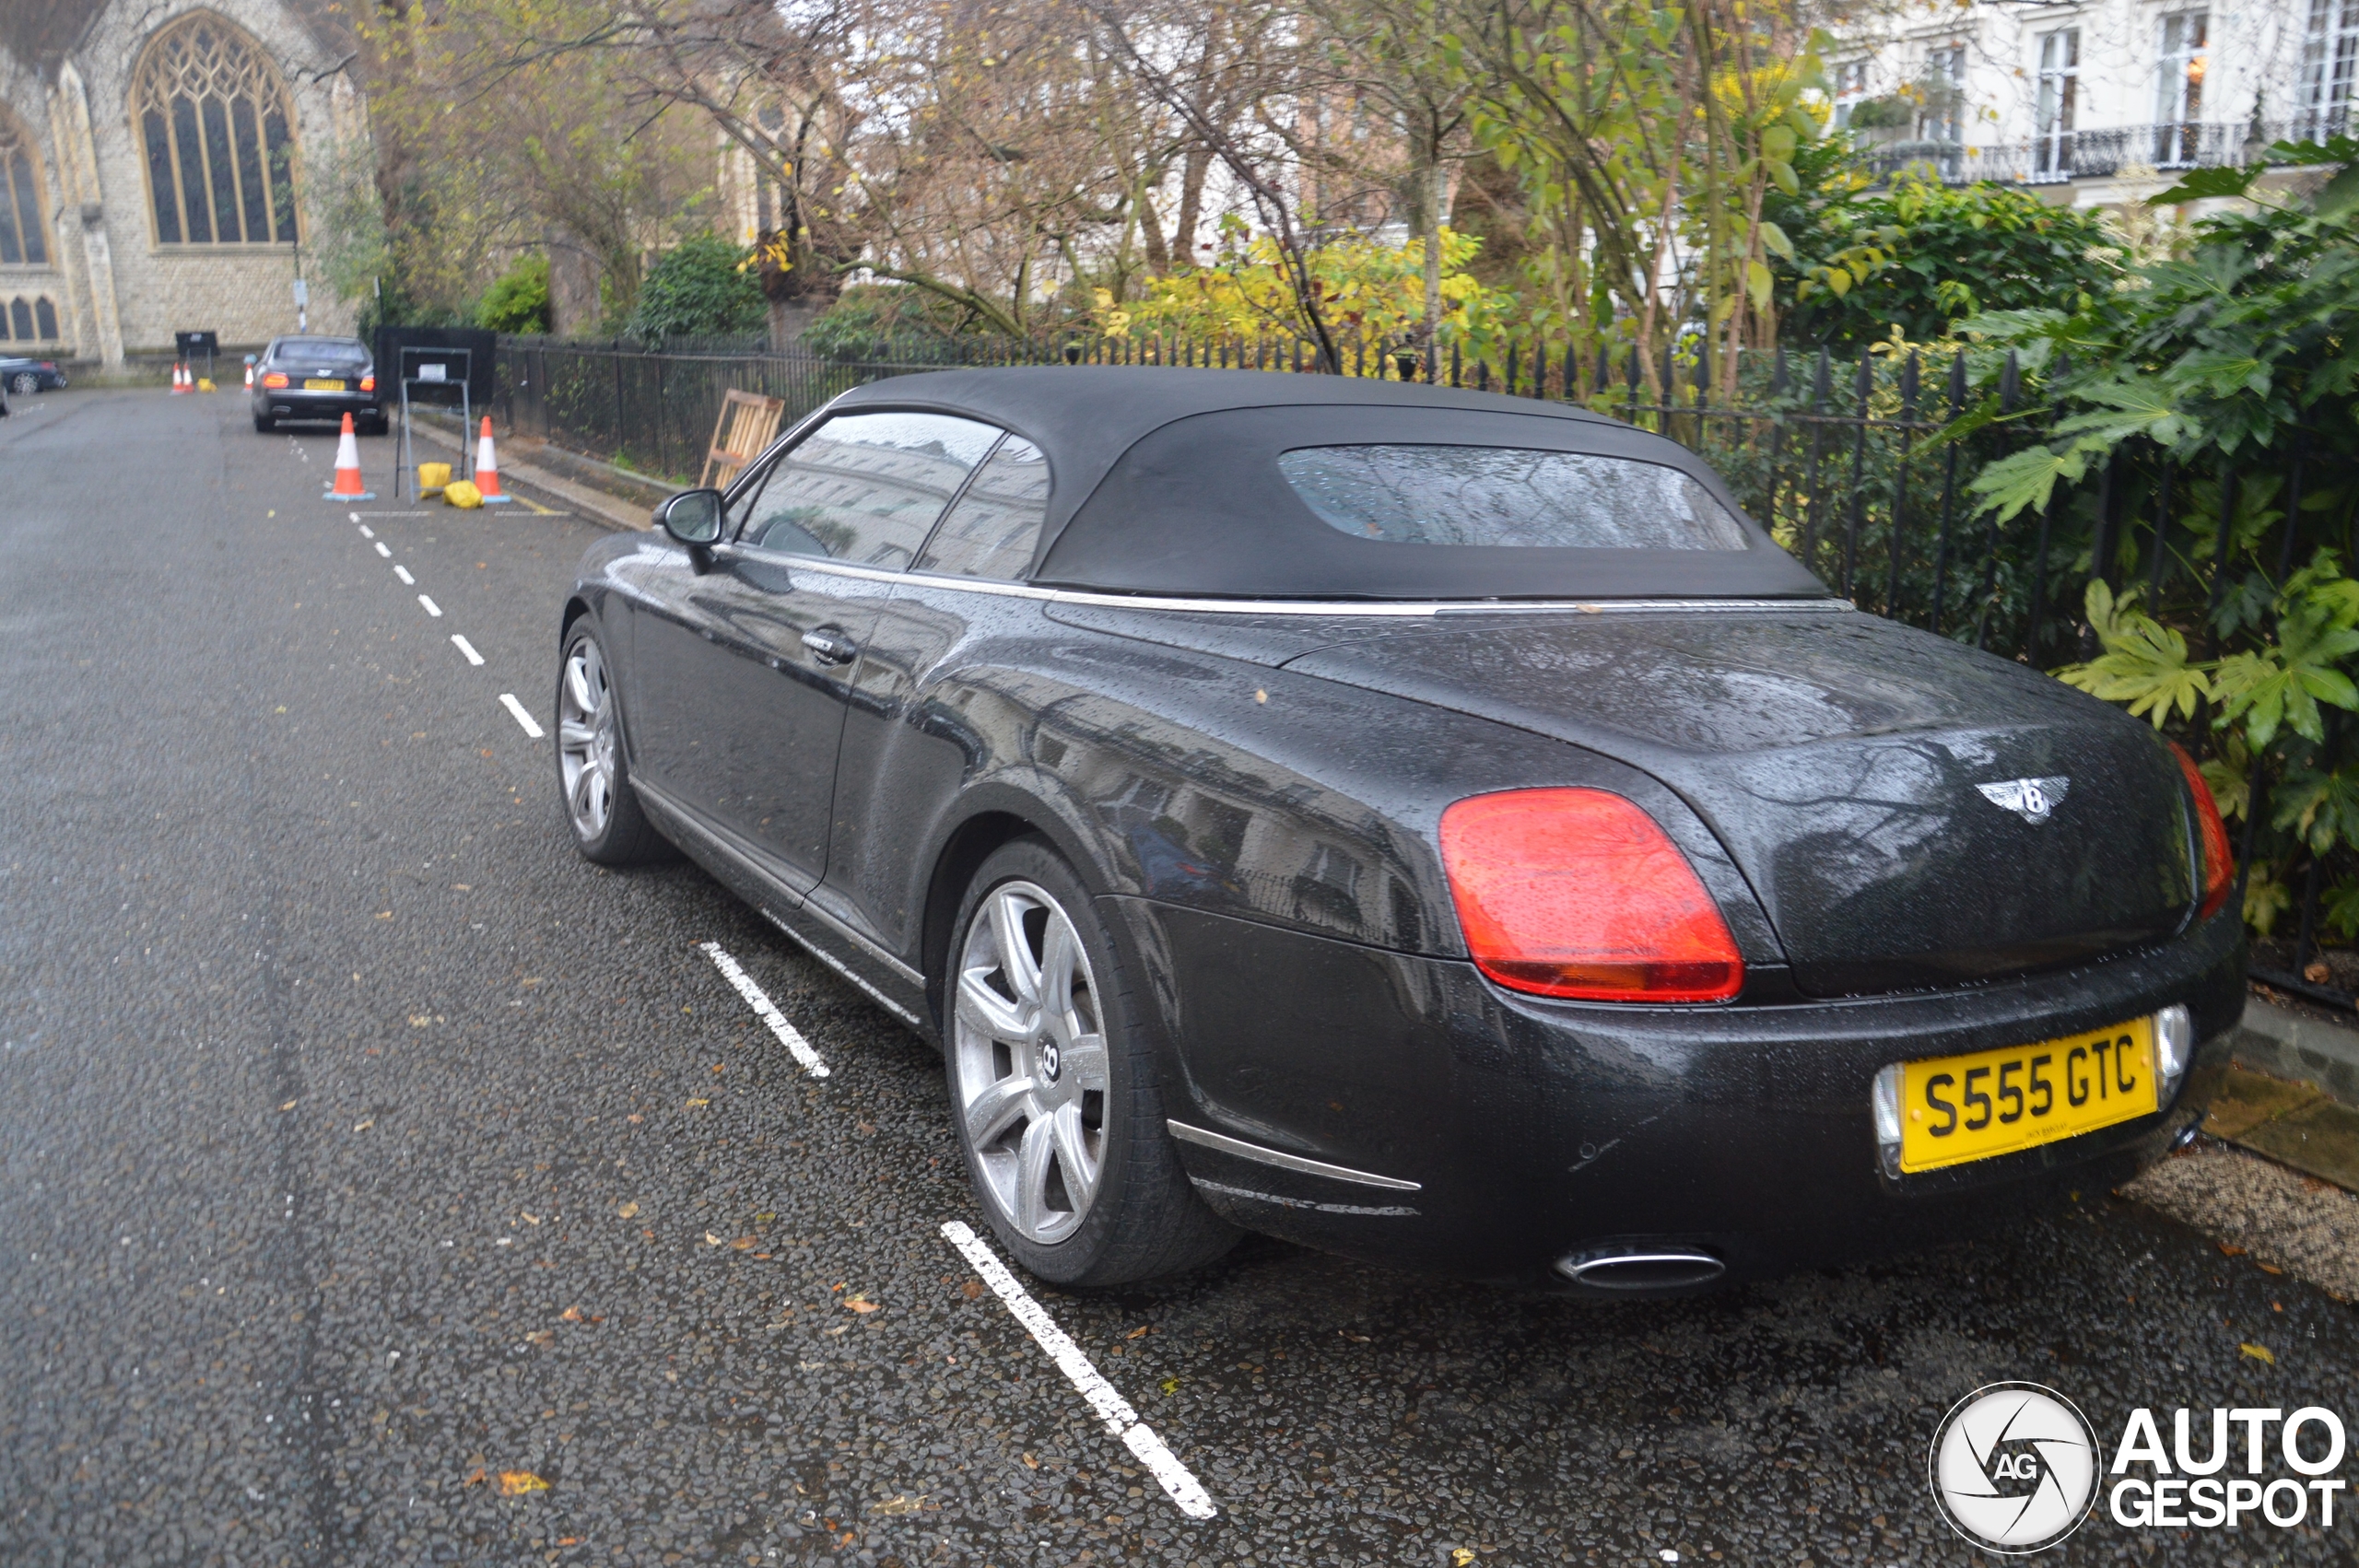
[(886, 980)]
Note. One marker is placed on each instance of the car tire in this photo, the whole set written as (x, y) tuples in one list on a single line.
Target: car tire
[(1022, 1069), (26, 384), (593, 773), (375, 427), (264, 424)]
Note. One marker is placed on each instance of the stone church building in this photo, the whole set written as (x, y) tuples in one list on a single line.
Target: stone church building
[(152, 169)]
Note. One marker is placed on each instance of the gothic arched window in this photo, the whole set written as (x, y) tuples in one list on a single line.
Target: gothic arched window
[(214, 121), (22, 233)]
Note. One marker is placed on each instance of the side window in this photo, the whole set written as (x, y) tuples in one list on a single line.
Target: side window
[(996, 523), (864, 488)]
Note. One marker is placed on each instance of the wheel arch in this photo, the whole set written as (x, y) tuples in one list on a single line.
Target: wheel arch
[(992, 816)]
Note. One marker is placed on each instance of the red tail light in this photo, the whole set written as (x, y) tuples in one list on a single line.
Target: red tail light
[(367, 383), (275, 379), (1578, 893), (2219, 866)]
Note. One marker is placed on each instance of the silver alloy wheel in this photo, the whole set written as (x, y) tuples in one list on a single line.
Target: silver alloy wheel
[(585, 740), (1030, 1059), (25, 382)]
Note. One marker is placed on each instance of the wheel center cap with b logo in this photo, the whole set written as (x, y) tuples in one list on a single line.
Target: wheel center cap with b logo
[(2014, 1468), (1051, 1058)]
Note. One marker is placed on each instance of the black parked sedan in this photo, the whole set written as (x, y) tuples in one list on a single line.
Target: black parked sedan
[(20, 374), (317, 378), (1432, 826)]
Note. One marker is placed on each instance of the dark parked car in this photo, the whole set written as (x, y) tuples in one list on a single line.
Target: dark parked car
[(25, 376), (317, 378), (1431, 826)]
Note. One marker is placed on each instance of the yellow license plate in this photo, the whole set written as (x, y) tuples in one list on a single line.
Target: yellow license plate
[(1958, 1108), (323, 386)]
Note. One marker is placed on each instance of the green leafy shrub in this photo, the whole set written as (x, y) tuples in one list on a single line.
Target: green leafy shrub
[(518, 301), (2215, 407), (1921, 256), (701, 287)]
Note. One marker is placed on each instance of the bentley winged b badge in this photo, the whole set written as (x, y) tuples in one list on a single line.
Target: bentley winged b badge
[(2030, 799)]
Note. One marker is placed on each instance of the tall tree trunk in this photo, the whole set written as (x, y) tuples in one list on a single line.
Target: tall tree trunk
[(1192, 170)]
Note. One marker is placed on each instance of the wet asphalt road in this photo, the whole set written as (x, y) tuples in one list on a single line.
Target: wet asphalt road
[(363, 1144)]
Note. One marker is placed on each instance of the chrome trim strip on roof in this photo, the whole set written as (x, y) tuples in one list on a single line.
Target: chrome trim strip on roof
[(1255, 1152), (1423, 609)]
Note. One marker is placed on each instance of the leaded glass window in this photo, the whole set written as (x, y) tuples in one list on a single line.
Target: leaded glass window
[(214, 124), (22, 237)]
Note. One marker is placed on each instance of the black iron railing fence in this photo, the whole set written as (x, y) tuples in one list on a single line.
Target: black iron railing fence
[(1861, 467)]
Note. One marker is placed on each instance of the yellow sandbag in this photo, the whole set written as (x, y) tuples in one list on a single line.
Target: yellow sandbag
[(204, 384), (459, 493), (432, 477)]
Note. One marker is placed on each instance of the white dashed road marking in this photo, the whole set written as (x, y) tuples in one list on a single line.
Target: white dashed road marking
[(466, 648), (1109, 1407), (365, 532), (766, 1010), (431, 607), (383, 550), (508, 700), (403, 573)]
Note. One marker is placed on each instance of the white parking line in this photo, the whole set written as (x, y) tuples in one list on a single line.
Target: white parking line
[(507, 699), (466, 648), (403, 573), (365, 532), (383, 550), (766, 1010), (431, 607), (1109, 1405)]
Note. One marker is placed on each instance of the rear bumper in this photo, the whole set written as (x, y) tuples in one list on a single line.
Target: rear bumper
[(285, 403), (1539, 1131)]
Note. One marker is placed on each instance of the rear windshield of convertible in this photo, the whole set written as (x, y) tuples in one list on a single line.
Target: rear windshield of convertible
[(1507, 495)]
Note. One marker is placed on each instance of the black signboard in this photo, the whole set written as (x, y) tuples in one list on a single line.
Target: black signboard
[(446, 355)]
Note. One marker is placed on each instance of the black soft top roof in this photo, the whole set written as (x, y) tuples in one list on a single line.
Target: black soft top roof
[(1165, 482)]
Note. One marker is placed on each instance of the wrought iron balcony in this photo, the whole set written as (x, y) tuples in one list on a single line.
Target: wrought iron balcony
[(2099, 154)]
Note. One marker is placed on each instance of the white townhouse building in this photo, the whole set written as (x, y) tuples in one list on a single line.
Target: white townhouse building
[(2100, 98)]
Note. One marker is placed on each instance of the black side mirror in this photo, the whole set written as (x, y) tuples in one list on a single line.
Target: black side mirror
[(692, 517)]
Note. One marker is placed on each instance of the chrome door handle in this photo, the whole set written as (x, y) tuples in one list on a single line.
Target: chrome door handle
[(829, 649)]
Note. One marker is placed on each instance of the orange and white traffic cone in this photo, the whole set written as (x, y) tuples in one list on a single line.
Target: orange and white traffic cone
[(349, 487), (249, 375), (488, 469), (180, 384)]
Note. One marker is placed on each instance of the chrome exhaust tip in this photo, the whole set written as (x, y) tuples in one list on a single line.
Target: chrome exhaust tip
[(1641, 1270)]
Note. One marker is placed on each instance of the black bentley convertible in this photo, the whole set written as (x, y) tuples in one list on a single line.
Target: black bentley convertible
[(1431, 826)]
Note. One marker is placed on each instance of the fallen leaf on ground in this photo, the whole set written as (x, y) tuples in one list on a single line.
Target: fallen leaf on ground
[(290, 1104), (474, 1479), (1356, 1338), (516, 1484), (903, 1503), (2267, 1268), (693, 1104), (2228, 1251), (1030, 1463), (1170, 1386), (570, 1314), (540, 1336), (636, 1117), (710, 1239), (1141, 1328), (865, 1125), (860, 1304), (364, 1126), (628, 1211), (568, 1541), (530, 1219), (743, 1243), (971, 1288), (2259, 1353), (1461, 1556)]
